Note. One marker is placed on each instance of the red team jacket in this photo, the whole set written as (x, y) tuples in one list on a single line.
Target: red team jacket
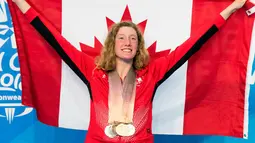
[(148, 79)]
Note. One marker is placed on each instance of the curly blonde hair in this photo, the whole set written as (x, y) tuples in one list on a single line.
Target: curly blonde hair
[(107, 58)]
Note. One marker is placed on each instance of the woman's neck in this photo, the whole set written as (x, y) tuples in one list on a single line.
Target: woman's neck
[(123, 67)]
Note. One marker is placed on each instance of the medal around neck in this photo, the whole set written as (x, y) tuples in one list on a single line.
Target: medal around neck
[(109, 131), (120, 129), (127, 93), (124, 129)]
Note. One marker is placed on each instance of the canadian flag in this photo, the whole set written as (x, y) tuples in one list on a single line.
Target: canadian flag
[(207, 95)]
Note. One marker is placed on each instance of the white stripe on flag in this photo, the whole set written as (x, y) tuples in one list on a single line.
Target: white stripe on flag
[(74, 107), (169, 101), (74, 111), (249, 82)]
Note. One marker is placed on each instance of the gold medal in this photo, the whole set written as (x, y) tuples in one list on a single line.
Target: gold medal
[(125, 129), (109, 131)]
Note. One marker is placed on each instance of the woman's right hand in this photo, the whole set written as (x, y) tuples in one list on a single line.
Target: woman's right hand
[(22, 4), (17, 0)]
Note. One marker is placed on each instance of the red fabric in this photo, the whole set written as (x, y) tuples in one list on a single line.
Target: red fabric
[(216, 76), (248, 5), (30, 14), (39, 64)]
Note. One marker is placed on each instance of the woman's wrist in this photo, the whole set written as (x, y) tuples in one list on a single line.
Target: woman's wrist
[(234, 7), (22, 4), (17, 1), (228, 11)]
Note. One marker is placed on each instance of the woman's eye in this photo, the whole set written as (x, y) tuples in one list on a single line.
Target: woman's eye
[(134, 39)]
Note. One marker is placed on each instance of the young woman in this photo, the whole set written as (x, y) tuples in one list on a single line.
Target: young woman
[(121, 105)]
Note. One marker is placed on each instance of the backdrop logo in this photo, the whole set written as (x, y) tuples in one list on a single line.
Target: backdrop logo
[(10, 79)]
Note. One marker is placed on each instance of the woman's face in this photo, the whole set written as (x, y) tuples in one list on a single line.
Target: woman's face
[(126, 43)]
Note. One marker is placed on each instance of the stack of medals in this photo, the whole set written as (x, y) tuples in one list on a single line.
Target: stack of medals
[(122, 128)]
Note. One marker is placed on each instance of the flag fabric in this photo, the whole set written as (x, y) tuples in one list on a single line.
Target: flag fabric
[(208, 95)]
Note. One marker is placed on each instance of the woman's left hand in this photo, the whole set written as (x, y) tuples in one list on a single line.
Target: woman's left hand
[(237, 4)]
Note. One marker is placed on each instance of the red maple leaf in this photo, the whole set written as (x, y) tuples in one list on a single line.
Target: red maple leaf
[(95, 51)]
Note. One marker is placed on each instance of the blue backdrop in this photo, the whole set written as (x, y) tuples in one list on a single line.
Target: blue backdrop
[(18, 124)]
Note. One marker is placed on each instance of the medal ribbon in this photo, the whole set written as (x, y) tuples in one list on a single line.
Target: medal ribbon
[(121, 97)]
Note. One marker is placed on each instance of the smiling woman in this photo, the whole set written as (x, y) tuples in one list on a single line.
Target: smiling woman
[(121, 107), (128, 44)]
